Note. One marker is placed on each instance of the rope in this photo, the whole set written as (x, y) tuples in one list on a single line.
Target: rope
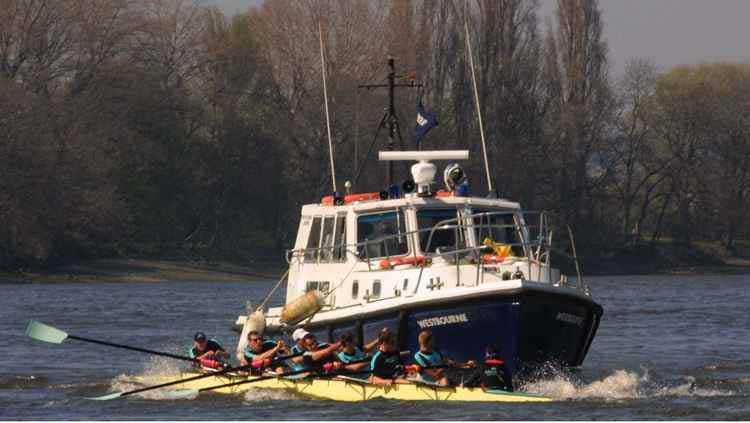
[(263, 304)]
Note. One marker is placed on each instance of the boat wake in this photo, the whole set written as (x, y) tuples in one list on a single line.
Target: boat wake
[(22, 381), (621, 384)]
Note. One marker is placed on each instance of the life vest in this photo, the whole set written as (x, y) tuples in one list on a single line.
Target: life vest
[(494, 362), (210, 363)]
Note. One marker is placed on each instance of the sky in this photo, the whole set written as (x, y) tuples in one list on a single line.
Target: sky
[(669, 32)]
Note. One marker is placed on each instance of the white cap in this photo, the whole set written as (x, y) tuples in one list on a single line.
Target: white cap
[(299, 333)]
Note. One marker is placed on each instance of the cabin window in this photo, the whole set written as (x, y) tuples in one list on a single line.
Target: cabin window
[(311, 286), (339, 240), (324, 287), (499, 228), (326, 241), (375, 289), (355, 289), (444, 237), (313, 240), (406, 284), (383, 234)]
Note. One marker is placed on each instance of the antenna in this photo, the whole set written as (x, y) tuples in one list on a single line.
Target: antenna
[(476, 97), (390, 117), (325, 96)]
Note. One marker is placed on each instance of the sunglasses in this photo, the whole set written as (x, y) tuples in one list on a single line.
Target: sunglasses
[(254, 339)]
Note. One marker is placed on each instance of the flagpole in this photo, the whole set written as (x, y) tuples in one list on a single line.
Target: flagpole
[(328, 118), (476, 98)]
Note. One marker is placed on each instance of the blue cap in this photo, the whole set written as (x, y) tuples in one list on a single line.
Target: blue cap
[(199, 336)]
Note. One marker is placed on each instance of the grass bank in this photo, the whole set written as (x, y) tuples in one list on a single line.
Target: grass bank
[(145, 270)]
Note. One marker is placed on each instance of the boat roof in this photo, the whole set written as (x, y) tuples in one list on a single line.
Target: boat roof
[(409, 200)]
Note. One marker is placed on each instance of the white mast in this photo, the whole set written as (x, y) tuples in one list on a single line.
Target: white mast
[(476, 97), (325, 96)]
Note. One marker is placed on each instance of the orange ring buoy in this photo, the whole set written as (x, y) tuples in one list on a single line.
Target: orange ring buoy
[(398, 261), (352, 198), (492, 259)]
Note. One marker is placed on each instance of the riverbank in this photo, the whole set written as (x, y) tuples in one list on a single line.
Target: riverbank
[(144, 270), (642, 259), (663, 258)]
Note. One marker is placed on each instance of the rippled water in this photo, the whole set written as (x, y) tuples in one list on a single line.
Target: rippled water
[(669, 347)]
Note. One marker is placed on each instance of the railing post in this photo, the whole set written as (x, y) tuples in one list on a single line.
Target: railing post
[(367, 255), (579, 279)]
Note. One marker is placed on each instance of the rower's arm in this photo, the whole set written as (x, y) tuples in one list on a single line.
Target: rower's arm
[(325, 352), (271, 352), (375, 380), (370, 345)]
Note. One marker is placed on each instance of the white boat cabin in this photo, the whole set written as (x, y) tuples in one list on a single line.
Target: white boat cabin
[(371, 249)]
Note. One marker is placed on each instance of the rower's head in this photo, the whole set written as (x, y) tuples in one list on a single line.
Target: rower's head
[(254, 341), (310, 342), (426, 340), (200, 340), (492, 352), (347, 341), (387, 341), (298, 336)]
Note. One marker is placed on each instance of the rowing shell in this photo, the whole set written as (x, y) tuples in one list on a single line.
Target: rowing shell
[(352, 390)]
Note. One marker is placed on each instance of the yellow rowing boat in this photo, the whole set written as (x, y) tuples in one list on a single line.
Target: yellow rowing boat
[(349, 389)]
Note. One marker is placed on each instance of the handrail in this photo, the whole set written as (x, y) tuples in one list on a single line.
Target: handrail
[(442, 225), (535, 239)]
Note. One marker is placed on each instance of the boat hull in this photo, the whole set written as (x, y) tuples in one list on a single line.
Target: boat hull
[(349, 390), (529, 326)]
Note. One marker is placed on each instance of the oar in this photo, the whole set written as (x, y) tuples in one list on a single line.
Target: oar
[(115, 395), (190, 393), (46, 333)]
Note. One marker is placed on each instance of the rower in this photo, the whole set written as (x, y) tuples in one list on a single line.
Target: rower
[(316, 355), (350, 353), (208, 352), (493, 373), (260, 351), (373, 345), (428, 356), (387, 367), (298, 337), (492, 369)]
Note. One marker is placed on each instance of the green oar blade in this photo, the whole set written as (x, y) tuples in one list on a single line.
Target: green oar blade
[(45, 333), (181, 394), (107, 397)]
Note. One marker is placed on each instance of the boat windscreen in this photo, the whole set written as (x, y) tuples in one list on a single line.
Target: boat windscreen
[(384, 234), (499, 228), (441, 237)]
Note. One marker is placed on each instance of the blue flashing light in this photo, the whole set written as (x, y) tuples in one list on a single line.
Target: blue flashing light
[(394, 191), (462, 190)]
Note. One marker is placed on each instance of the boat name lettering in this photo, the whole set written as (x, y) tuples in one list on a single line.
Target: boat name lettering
[(442, 320), (570, 318)]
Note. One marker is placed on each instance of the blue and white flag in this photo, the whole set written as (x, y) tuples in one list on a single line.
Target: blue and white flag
[(425, 121)]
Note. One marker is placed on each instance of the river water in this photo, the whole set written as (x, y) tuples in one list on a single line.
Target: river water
[(669, 347)]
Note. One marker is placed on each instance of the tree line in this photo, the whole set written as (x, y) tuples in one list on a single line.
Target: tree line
[(162, 128)]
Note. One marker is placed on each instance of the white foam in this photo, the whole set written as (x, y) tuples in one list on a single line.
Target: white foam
[(260, 394), (155, 371), (621, 384)]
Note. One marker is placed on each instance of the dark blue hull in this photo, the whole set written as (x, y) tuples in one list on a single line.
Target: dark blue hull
[(529, 326)]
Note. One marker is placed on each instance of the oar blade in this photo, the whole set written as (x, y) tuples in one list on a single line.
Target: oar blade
[(181, 394), (46, 333), (107, 397)]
